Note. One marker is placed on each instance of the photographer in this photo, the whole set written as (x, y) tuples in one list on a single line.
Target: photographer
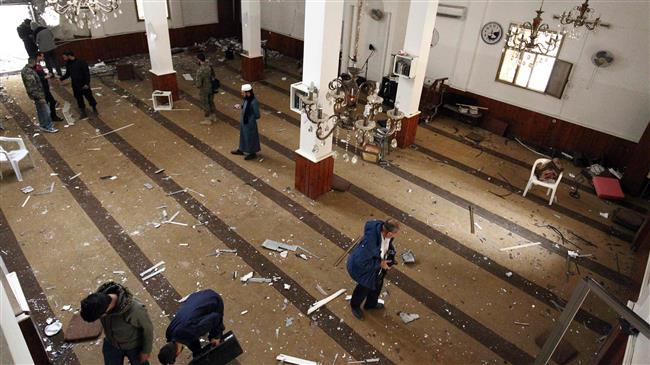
[(370, 261)]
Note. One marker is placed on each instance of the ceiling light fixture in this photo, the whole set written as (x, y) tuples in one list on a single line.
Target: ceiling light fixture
[(533, 36), (86, 13)]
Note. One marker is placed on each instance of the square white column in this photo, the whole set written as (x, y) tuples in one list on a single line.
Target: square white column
[(417, 43), (322, 43), (250, 28), (155, 21)]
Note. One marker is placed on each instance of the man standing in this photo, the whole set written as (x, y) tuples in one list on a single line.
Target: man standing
[(370, 260), (27, 35), (45, 40), (77, 70), (128, 331), (249, 138), (46, 87), (200, 314), (34, 89), (203, 81)]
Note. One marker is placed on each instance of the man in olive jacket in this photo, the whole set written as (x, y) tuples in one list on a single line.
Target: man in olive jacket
[(203, 81), (128, 331)]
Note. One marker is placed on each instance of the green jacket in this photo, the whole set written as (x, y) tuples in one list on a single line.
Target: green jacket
[(203, 79), (128, 325), (32, 83)]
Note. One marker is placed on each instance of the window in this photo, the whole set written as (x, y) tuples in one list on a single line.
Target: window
[(140, 12), (531, 70)]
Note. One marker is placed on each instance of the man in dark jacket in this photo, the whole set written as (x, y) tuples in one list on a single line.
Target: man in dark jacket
[(128, 331), (201, 314), (369, 262), (46, 87), (77, 70), (27, 35)]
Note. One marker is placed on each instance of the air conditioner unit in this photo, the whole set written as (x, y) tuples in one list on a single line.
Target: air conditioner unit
[(295, 104), (451, 11)]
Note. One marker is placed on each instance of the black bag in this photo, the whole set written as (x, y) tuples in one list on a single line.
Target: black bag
[(216, 84), (225, 352)]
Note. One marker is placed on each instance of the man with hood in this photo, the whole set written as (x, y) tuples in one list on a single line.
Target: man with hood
[(128, 331), (200, 314), (368, 263), (249, 138), (27, 36), (45, 40)]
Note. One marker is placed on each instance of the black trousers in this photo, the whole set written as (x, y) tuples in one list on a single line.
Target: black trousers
[(51, 62), (362, 293), (81, 93)]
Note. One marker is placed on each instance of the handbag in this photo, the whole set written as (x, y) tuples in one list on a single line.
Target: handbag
[(228, 350), (216, 84)]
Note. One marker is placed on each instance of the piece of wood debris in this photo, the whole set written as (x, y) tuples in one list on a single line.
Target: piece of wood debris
[(154, 267), (521, 323), (74, 177), (159, 171), (113, 131), (118, 272), (25, 202), (366, 361), (246, 277), (520, 246), (294, 360), (159, 271), (322, 302), (243, 312)]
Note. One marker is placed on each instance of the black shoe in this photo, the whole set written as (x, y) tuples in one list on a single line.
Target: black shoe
[(357, 313), (56, 118), (237, 152), (95, 110), (377, 306), (250, 157), (83, 115)]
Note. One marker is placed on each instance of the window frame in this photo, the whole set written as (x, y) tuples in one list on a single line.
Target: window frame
[(513, 83), (137, 13)]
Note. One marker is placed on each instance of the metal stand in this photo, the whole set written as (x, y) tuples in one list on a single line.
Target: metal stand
[(577, 298)]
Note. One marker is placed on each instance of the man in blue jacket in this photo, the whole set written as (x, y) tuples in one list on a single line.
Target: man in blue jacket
[(201, 314), (369, 261)]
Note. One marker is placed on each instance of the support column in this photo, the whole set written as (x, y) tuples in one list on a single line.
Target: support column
[(314, 161), (252, 63), (417, 43), (163, 76)]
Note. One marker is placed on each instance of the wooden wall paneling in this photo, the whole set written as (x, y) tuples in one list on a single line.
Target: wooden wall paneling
[(635, 175)]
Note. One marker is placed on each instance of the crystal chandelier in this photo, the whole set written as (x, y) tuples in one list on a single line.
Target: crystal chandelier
[(580, 16), (358, 126), (533, 36), (86, 12)]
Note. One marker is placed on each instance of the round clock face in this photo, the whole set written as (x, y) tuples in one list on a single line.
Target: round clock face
[(491, 32)]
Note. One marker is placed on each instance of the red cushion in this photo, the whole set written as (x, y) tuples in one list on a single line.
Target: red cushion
[(608, 188)]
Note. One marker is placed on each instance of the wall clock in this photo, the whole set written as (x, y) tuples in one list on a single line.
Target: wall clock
[(491, 33)]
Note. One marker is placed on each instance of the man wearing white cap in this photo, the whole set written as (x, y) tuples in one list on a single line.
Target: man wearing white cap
[(249, 138)]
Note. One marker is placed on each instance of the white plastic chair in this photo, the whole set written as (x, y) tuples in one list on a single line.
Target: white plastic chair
[(14, 156), (551, 186)]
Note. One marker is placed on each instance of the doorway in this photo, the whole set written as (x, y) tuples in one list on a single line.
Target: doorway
[(12, 53)]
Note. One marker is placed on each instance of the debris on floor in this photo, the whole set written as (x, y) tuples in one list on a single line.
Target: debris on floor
[(153, 271), (246, 277), (408, 257), (366, 361), (53, 328), (27, 189), (520, 246), (408, 317), (322, 302), (286, 359)]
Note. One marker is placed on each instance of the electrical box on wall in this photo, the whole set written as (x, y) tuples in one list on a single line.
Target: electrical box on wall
[(404, 66), (294, 101)]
